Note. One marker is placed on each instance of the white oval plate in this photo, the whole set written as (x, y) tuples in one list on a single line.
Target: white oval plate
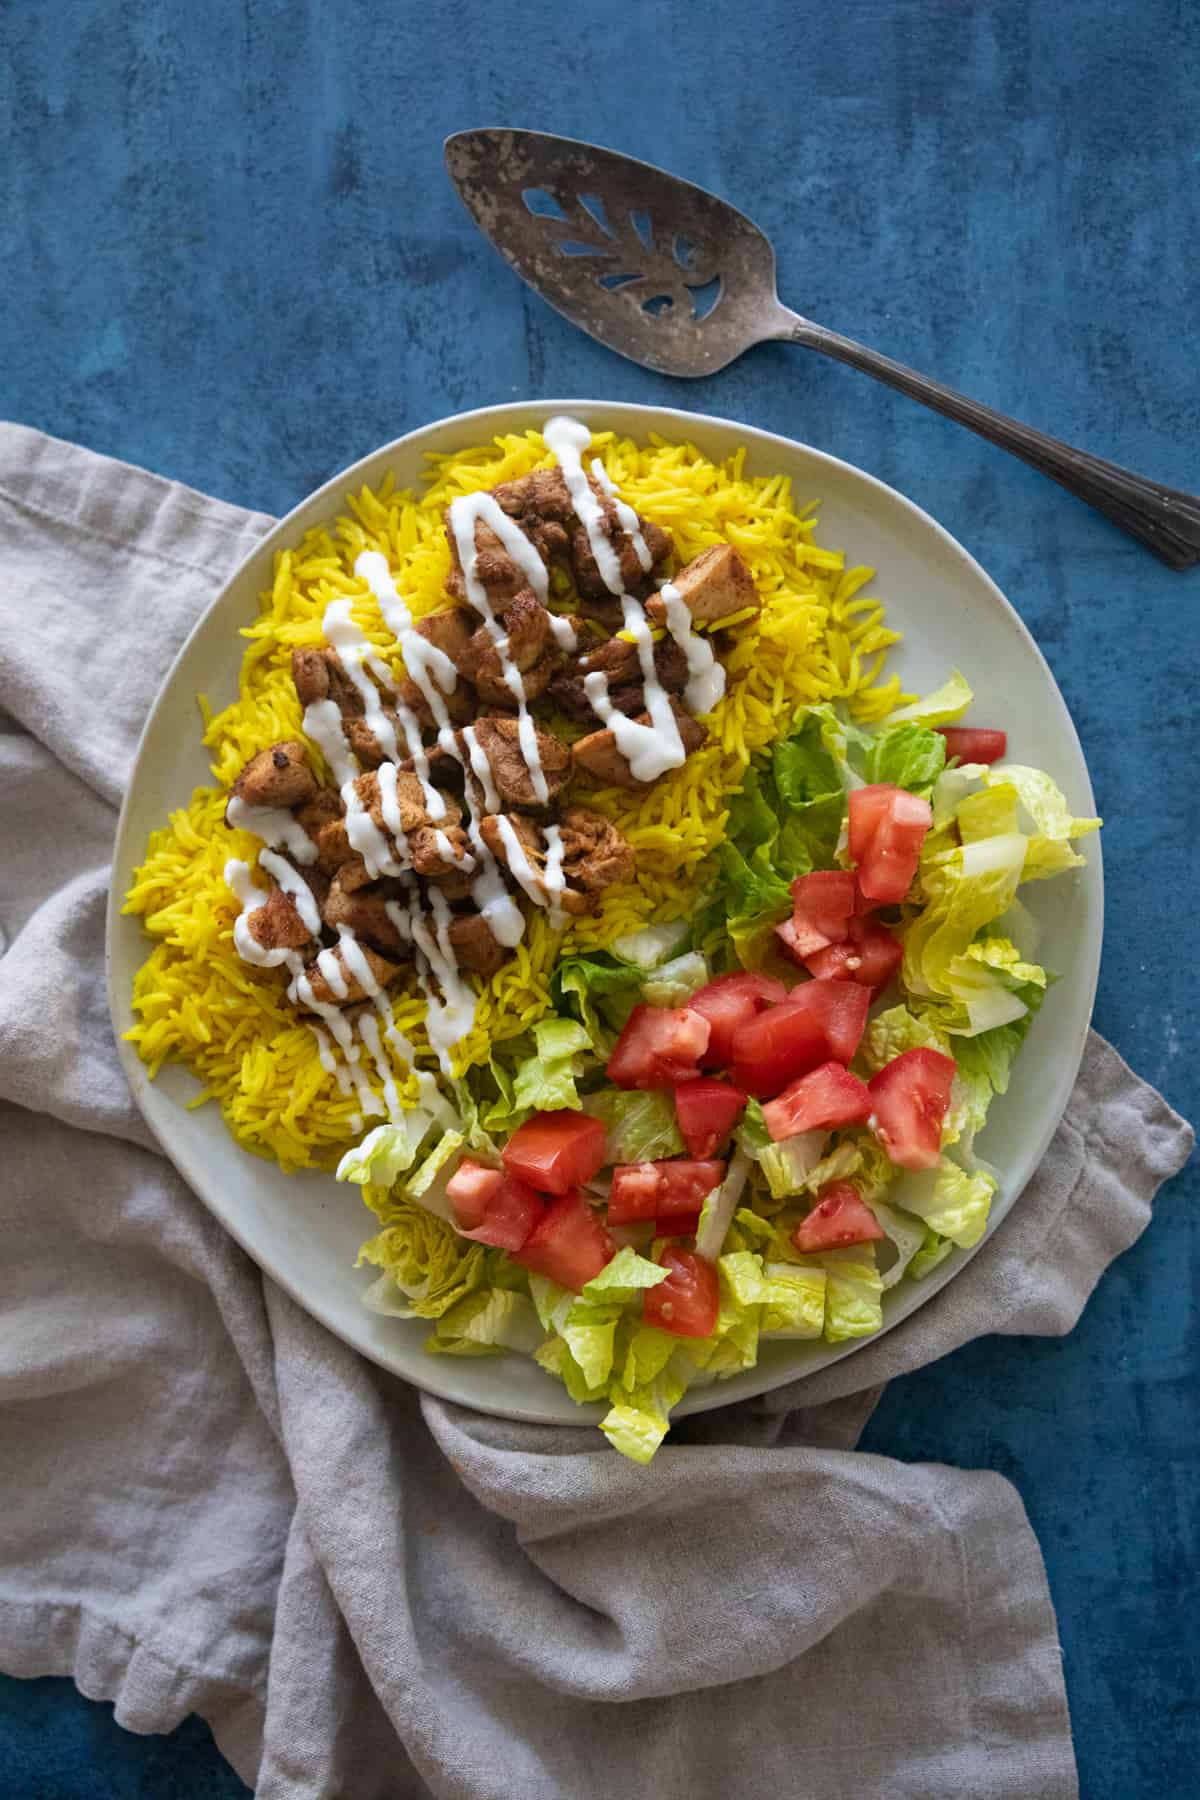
[(305, 1229)]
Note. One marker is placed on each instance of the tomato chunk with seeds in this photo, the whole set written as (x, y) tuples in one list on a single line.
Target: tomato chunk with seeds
[(818, 1021), (555, 1151), (871, 955), (707, 1111), (727, 1003), (909, 1098), (820, 1101), (469, 1189), (688, 1301), (659, 1190), (822, 906), (974, 743), (510, 1216), (568, 1243), (840, 1217), (887, 827), (659, 1046)]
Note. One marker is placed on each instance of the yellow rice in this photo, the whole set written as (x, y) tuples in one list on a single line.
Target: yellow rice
[(818, 638)]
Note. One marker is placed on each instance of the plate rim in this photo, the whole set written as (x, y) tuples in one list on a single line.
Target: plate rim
[(499, 416)]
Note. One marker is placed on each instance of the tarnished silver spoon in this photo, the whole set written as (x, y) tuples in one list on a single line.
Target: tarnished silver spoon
[(676, 279)]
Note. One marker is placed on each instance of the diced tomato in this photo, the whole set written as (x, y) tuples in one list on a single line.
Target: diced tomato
[(555, 1151), (659, 1190), (819, 1020), (727, 1003), (974, 743), (469, 1189), (688, 1301), (707, 1110), (681, 1225), (820, 1101), (659, 1046), (822, 905), (568, 1243), (871, 955), (512, 1212), (909, 1097), (887, 828), (840, 1217)]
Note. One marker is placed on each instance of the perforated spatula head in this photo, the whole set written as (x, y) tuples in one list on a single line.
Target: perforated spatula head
[(656, 269)]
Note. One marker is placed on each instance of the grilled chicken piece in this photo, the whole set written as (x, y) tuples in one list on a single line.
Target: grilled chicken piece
[(499, 739), (362, 906), (531, 648), (278, 776), (712, 586), (448, 632), (277, 924), (634, 579), (382, 968), (595, 855), (540, 506), (618, 660), (410, 803), (324, 819), (459, 704), (597, 754), (475, 949), (318, 674), (436, 847), (428, 850)]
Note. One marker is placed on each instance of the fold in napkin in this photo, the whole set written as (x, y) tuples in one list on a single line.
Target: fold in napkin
[(212, 1505)]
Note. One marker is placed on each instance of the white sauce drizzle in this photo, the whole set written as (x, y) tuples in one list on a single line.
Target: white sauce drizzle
[(274, 825), (706, 676), (563, 632), (519, 865), (295, 886), (481, 768), (650, 750), (630, 524), (356, 657), (553, 878), (466, 514)]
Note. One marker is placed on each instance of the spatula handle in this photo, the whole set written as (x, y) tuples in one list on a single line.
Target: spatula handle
[(1165, 519)]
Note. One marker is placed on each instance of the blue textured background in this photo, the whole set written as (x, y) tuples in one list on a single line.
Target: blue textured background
[(229, 252)]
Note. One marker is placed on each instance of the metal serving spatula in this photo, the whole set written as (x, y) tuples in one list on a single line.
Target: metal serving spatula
[(676, 279)]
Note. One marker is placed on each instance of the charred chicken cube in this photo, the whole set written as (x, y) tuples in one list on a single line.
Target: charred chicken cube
[(362, 907), (348, 988), (277, 924), (528, 646), (318, 674), (597, 754), (277, 777), (595, 855), (500, 741), (714, 586), (474, 947)]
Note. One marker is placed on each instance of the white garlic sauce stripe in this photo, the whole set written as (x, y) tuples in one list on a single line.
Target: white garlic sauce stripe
[(650, 750)]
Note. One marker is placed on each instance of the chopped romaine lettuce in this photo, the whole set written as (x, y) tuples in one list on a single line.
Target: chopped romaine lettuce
[(716, 1214), (909, 756), (653, 945), (853, 1293), (942, 707), (387, 1151), (545, 1081), (675, 982), (427, 1266), (486, 1322), (639, 1126), (951, 1201)]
